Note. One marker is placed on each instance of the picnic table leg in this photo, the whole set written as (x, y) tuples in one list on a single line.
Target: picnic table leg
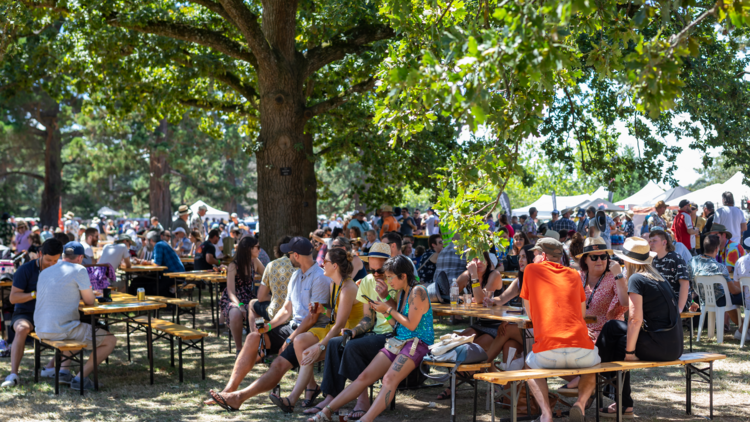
[(711, 389), (528, 407), (453, 397), (211, 295), (691, 334), (492, 400), (57, 372), (619, 396), (514, 403), (598, 393), (149, 345), (203, 361), (476, 383), (93, 353)]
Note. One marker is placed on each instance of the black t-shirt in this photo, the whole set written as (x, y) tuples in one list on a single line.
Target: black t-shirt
[(655, 305), (200, 255), (406, 229), (673, 268), (25, 278)]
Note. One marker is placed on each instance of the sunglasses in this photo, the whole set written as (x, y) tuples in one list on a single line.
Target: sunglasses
[(326, 261), (377, 271), (598, 257)]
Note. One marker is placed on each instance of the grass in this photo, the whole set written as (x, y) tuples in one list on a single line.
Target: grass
[(659, 393)]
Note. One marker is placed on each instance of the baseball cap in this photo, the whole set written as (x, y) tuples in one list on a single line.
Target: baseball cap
[(581, 212), (709, 205), (234, 215), (299, 245), (552, 234), (153, 235), (555, 212), (179, 230), (549, 246), (683, 203), (74, 248), (747, 242)]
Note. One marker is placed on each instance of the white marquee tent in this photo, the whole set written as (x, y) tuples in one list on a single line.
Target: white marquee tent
[(713, 192), (649, 192), (545, 207), (211, 212)]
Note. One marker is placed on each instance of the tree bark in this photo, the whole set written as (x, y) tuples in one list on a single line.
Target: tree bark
[(159, 198), (230, 205), (53, 184)]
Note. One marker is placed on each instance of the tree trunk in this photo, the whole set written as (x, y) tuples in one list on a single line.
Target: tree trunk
[(49, 213), (159, 198), (230, 205)]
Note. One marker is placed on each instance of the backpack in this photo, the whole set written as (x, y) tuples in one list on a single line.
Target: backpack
[(465, 354)]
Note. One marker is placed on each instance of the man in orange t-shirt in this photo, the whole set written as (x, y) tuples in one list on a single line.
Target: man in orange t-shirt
[(389, 222), (556, 303)]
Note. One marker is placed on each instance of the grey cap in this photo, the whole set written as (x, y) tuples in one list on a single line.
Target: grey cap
[(549, 246)]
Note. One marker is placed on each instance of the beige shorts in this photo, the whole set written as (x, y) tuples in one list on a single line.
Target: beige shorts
[(82, 334)]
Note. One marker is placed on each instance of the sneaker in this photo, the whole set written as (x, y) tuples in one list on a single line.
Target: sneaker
[(65, 377), (75, 384), (48, 372), (11, 380)]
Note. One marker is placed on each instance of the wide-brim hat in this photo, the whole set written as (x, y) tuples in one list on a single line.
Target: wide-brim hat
[(69, 214), (552, 234), (96, 220), (183, 210), (720, 228), (594, 244), (386, 208), (629, 214), (379, 250), (123, 237), (636, 251)]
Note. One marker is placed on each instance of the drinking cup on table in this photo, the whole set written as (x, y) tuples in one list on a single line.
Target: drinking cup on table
[(107, 293), (467, 299)]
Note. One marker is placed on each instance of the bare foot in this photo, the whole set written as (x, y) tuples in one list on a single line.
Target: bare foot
[(321, 405)]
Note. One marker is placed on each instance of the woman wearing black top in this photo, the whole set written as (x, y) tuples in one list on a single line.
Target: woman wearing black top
[(653, 332), (510, 262)]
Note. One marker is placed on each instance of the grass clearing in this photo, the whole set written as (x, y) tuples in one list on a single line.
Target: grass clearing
[(659, 393)]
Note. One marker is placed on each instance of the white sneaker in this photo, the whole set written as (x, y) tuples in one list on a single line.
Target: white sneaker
[(48, 372), (11, 380)]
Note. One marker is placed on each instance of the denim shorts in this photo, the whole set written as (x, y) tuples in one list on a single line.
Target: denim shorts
[(564, 358)]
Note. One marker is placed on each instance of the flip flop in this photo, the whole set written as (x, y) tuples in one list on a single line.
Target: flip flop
[(279, 401), (576, 414), (309, 402), (605, 413), (221, 401), (356, 418)]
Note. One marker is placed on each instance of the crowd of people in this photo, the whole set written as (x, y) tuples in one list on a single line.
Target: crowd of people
[(356, 294)]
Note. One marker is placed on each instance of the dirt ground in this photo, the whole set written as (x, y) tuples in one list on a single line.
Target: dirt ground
[(659, 393)]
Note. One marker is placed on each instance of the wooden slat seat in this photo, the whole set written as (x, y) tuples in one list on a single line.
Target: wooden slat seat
[(62, 345), (471, 367), (74, 352), (468, 367), (171, 328)]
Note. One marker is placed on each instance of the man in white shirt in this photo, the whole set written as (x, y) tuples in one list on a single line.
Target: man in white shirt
[(731, 217), (118, 252), (431, 223), (741, 270), (91, 239), (71, 225)]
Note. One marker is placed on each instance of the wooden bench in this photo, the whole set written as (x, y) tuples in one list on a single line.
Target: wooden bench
[(474, 367), (75, 349), (687, 360), (187, 338), (179, 307)]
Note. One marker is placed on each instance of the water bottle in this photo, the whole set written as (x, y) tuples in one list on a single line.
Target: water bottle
[(454, 294)]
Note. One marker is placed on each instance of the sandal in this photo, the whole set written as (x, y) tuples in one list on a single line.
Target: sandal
[(221, 401), (576, 414), (314, 407), (309, 402), (320, 417), (446, 394), (279, 401), (605, 413), (360, 413)]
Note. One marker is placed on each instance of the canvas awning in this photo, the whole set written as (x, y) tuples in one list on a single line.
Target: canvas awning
[(646, 194), (211, 212)]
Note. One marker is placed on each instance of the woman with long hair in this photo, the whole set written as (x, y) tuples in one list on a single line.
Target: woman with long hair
[(372, 237), (504, 222), (354, 233), (239, 292), (654, 329), (195, 240), (412, 320), (510, 262), (345, 313), (358, 267)]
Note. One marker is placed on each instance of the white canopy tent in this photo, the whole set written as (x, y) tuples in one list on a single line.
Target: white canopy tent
[(545, 207), (211, 212), (649, 192), (107, 212), (738, 189), (713, 192)]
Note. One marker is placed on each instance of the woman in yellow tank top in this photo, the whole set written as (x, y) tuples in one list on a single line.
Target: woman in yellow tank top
[(346, 313)]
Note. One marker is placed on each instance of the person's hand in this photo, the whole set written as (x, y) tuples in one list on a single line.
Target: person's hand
[(381, 287), (694, 307), (385, 227), (488, 302), (472, 268), (310, 355), (501, 328), (379, 307), (98, 293), (311, 308), (283, 347), (614, 266), (631, 358), (264, 329), (353, 331)]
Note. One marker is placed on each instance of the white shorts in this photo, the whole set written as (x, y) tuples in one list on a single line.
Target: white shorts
[(564, 358), (81, 334)]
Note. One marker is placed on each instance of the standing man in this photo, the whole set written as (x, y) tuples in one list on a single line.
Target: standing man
[(431, 223), (182, 217), (428, 264), (708, 214), (196, 223), (731, 217), (418, 220), (583, 222), (360, 223), (408, 225), (163, 256), (389, 222), (61, 288), (71, 225), (91, 239), (555, 218), (529, 226), (23, 296), (565, 224), (205, 253), (561, 337), (682, 227), (235, 222), (515, 224)]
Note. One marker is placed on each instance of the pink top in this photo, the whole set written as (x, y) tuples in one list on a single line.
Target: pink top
[(605, 304)]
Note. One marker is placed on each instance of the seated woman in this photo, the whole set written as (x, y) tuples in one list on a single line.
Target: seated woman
[(358, 267), (372, 238), (412, 320), (354, 233), (654, 330), (195, 240), (485, 282), (606, 293), (345, 313), (239, 291), (510, 263), (508, 335)]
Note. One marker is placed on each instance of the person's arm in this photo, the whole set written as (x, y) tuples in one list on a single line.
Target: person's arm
[(509, 293), (419, 304), (367, 322), (126, 261), (231, 288), (87, 295), (414, 227), (259, 267), (684, 290), (18, 296), (382, 288), (494, 282), (264, 293), (621, 285), (347, 299), (634, 324), (211, 259)]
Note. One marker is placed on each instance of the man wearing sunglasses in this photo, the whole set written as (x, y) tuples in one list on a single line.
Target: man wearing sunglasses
[(367, 338), (394, 242)]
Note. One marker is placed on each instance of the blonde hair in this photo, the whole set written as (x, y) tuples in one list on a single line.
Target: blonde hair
[(646, 269)]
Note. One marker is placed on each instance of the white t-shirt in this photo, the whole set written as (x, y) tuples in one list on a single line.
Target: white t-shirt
[(114, 254), (431, 224), (689, 226), (731, 218), (742, 269), (88, 254)]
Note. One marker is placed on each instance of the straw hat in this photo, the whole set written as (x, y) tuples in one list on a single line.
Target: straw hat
[(386, 208), (636, 251), (69, 214), (183, 210), (594, 244), (96, 220), (379, 250)]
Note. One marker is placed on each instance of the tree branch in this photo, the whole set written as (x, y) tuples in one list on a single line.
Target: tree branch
[(675, 39), (217, 106), (247, 22), (214, 7), (228, 78), (330, 104), (23, 173), (353, 41), (207, 38)]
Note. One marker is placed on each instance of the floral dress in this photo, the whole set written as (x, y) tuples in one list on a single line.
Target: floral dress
[(605, 304), (243, 289)]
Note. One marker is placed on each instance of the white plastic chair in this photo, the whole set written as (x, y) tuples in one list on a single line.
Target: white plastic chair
[(745, 284), (710, 307)]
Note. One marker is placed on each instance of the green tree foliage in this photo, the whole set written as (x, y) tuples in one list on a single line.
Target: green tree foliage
[(719, 171)]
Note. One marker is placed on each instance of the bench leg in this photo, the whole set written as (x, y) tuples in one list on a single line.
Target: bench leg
[(171, 349), (514, 402), (598, 395), (37, 358), (476, 383), (150, 346), (453, 397), (127, 330), (93, 354), (691, 334), (711, 389), (203, 361), (688, 389), (57, 372), (81, 358), (179, 349), (492, 401), (619, 396)]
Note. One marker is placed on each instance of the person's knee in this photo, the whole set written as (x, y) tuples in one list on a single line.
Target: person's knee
[(391, 379), (22, 327)]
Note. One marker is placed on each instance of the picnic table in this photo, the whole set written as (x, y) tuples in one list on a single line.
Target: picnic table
[(147, 270), (187, 260), (126, 305)]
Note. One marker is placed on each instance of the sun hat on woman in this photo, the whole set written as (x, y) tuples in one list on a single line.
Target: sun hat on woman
[(636, 251)]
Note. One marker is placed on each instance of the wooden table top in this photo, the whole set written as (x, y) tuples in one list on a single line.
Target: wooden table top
[(143, 268), (121, 302), (187, 260), (497, 313), (6, 283), (189, 274)]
